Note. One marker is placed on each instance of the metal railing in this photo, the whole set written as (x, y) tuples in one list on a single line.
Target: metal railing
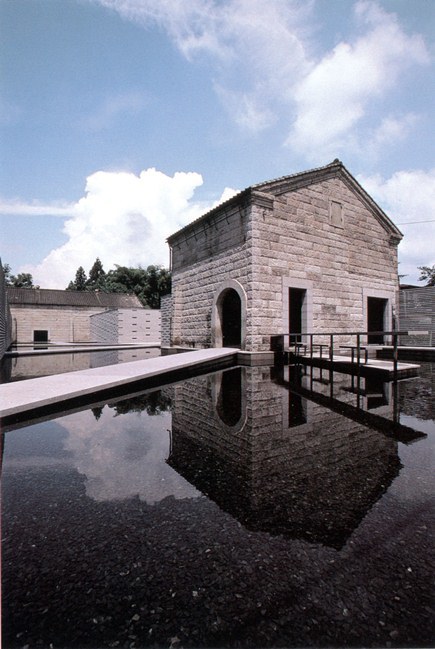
[(295, 340)]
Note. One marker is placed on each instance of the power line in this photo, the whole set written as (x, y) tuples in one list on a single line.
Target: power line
[(413, 222)]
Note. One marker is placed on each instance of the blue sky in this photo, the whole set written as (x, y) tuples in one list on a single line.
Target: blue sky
[(122, 120)]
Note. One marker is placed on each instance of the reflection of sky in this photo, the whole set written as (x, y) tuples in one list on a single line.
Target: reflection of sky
[(121, 455), (417, 481)]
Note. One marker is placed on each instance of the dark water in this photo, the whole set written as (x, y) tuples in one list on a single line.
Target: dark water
[(228, 510)]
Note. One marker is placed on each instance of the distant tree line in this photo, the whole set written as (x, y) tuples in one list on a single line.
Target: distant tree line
[(22, 280), (149, 284)]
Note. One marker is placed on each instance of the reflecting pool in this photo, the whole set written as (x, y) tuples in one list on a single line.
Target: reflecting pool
[(27, 366), (229, 510)]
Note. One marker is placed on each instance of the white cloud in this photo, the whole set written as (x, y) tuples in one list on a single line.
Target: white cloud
[(257, 49), (408, 198), (264, 69), (334, 97), (20, 208), (247, 110), (122, 219), (127, 104), (391, 129)]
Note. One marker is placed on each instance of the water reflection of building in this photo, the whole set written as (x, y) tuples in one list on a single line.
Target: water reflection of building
[(274, 460), (26, 367)]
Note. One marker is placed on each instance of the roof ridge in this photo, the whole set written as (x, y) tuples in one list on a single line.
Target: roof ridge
[(245, 192), (334, 163)]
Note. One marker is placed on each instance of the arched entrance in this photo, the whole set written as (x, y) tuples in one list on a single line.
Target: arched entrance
[(229, 315), (231, 319)]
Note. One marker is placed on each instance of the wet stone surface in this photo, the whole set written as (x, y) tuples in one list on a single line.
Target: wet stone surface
[(104, 544)]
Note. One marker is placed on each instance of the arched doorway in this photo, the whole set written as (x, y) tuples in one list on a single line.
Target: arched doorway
[(231, 319), (229, 315)]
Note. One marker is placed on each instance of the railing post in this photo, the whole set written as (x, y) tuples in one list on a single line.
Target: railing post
[(396, 413), (395, 356), (331, 365), (358, 383), (311, 363)]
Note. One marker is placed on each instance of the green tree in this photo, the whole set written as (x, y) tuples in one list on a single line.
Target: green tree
[(7, 274), (79, 284), (97, 276), (22, 280), (148, 284), (427, 274)]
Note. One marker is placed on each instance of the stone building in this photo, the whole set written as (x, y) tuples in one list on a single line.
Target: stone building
[(310, 252), (55, 316)]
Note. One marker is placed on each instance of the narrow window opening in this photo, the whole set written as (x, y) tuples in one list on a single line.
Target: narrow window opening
[(336, 214)]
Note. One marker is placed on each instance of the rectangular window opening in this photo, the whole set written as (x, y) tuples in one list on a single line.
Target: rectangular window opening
[(336, 214)]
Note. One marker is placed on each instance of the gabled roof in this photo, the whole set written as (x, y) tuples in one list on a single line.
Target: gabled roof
[(53, 297), (293, 182)]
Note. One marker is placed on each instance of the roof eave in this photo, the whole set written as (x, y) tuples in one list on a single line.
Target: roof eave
[(292, 183), (241, 197)]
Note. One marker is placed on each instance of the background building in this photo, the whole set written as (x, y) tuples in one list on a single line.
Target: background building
[(417, 312), (55, 316), (126, 326)]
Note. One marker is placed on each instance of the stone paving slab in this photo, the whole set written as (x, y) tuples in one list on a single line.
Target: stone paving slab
[(20, 396)]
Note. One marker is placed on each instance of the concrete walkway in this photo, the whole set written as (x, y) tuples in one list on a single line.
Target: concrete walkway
[(21, 396)]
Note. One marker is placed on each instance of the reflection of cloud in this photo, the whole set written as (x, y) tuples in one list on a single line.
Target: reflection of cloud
[(124, 456)]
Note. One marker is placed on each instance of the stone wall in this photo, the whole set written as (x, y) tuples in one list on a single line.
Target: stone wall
[(321, 238), (65, 324), (221, 252), (296, 244)]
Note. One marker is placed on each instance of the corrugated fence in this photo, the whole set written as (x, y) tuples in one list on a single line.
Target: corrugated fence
[(5, 316), (417, 313)]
